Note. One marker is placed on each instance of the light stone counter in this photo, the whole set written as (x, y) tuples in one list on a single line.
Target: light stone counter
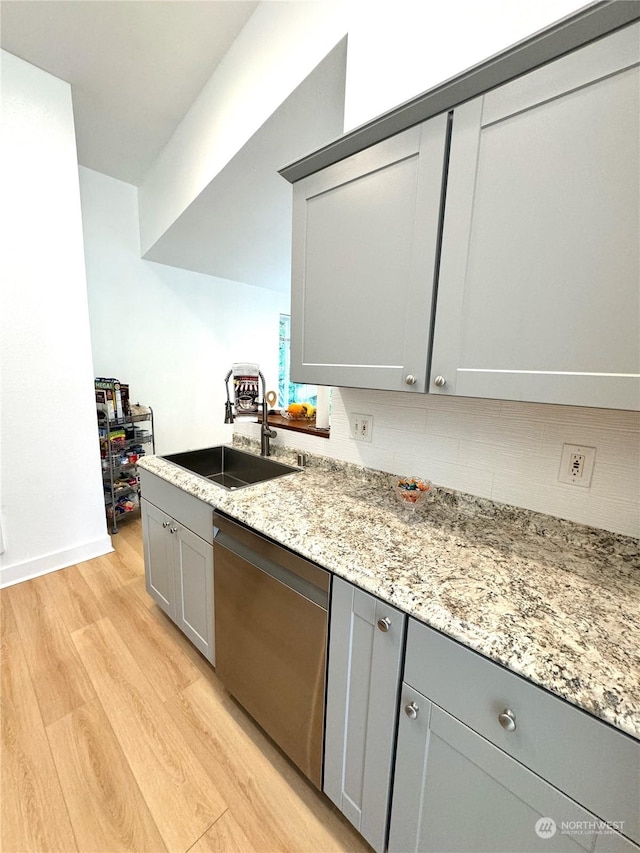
[(555, 602)]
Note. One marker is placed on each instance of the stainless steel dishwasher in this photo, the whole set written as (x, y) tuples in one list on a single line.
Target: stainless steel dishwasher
[(271, 638)]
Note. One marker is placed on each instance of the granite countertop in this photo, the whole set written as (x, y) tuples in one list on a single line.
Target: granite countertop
[(553, 601)]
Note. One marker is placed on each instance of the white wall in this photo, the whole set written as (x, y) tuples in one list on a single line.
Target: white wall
[(400, 48), (170, 333), (397, 49), (279, 46), (506, 451), (52, 507), (181, 329)]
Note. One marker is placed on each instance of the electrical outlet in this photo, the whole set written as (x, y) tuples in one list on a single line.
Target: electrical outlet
[(361, 427), (576, 465)]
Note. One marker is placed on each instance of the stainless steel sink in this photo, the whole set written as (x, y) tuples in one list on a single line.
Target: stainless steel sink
[(230, 468)]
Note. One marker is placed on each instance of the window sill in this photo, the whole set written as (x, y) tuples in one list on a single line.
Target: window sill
[(296, 426)]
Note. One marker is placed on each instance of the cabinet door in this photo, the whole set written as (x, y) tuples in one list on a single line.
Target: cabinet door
[(609, 841), (193, 572), (362, 689), (538, 295), (592, 762), (454, 792), (365, 238), (158, 558)]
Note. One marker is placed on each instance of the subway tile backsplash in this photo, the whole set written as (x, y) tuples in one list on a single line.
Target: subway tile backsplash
[(507, 451)]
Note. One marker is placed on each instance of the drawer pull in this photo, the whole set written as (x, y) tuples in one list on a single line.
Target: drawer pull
[(507, 720), (173, 530), (411, 710), (384, 624), (165, 524)]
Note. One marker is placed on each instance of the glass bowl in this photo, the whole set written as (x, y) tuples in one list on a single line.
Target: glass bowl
[(411, 491)]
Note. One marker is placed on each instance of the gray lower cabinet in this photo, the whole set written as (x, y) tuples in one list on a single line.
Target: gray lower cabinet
[(365, 240), (158, 558), (487, 761), (610, 841), (179, 562), (366, 641), (538, 295), (456, 792)]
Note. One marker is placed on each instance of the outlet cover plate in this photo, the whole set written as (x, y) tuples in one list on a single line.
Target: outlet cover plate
[(361, 427), (576, 465)]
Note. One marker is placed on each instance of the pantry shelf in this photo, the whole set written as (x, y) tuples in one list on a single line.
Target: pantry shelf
[(122, 443)]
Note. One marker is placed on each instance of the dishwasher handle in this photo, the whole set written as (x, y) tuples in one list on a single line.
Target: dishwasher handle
[(300, 575)]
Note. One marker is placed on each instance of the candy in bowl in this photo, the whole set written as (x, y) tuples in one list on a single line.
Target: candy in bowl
[(411, 491)]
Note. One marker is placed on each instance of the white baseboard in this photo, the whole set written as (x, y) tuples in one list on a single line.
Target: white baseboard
[(19, 572)]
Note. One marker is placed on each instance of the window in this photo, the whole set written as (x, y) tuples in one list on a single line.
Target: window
[(288, 391)]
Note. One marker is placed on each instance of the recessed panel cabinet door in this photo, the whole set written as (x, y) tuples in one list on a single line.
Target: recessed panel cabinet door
[(539, 286), (178, 568), (365, 238), (193, 561), (366, 640), (158, 558), (455, 792), (610, 841)]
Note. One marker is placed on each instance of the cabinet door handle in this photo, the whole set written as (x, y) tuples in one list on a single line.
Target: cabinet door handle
[(165, 524), (173, 529), (411, 710), (507, 720), (384, 624), (410, 379), (439, 381)]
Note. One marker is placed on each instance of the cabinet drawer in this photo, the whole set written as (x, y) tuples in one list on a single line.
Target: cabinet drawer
[(192, 512), (592, 762)]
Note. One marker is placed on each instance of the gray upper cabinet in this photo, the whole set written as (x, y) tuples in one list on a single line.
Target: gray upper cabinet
[(539, 286), (365, 239), (365, 656)]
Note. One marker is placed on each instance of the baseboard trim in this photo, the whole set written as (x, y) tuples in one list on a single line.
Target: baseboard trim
[(29, 569)]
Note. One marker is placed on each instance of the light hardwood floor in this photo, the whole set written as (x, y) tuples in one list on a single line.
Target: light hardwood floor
[(117, 735)]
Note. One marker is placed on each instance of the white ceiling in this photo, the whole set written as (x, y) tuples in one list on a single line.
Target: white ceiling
[(135, 66)]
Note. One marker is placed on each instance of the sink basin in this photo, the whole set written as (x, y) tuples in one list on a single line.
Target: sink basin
[(230, 468)]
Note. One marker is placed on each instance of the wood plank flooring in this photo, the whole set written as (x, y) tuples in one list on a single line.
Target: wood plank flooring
[(117, 735)]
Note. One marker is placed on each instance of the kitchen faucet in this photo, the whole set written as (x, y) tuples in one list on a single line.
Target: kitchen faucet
[(266, 433)]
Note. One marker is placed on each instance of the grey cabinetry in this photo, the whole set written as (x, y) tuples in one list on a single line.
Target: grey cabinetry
[(158, 557), (483, 755), (365, 238), (610, 841), (179, 561), (538, 295), (365, 654), (455, 791)]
